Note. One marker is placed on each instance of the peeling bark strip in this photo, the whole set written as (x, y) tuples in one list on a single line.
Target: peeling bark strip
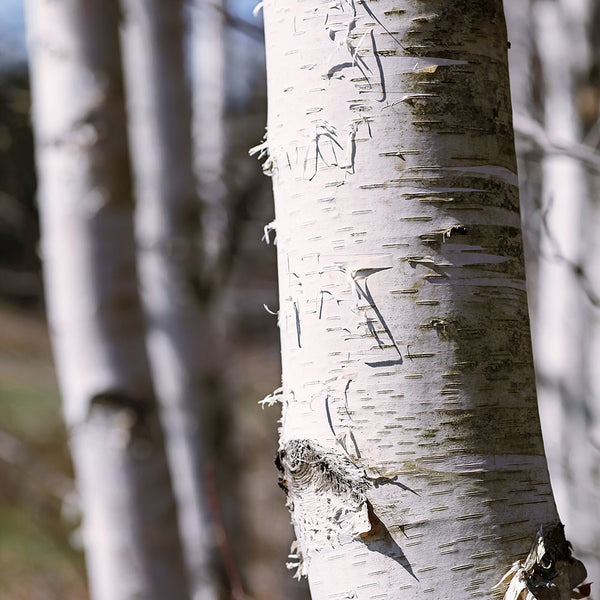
[(400, 262), (304, 465), (308, 472)]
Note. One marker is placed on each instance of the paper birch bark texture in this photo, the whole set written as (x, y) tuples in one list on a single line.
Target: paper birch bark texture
[(410, 443), (168, 233), (130, 527)]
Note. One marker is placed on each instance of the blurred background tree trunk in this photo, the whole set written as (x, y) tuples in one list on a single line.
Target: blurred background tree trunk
[(168, 230), (130, 525), (588, 104), (555, 102), (243, 370), (559, 311)]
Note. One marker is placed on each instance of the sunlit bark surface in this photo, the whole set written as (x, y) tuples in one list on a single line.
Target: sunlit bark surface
[(410, 439)]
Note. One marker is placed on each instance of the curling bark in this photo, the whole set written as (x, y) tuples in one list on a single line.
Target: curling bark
[(410, 444), (130, 528), (168, 233)]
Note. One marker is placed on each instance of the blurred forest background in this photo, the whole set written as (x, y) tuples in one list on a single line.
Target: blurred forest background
[(40, 545), (555, 73)]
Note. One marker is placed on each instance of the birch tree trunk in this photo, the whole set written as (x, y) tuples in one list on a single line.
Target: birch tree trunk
[(168, 232), (564, 296), (130, 529), (560, 308), (580, 449), (410, 444), (222, 229), (589, 517)]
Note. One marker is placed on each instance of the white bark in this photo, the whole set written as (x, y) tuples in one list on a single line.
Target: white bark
[(558, 326), (410, 441), (168, 229), (560, 323), (130, 533), (589, 477)]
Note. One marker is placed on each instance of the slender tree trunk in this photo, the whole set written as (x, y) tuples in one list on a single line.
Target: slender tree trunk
[(130, 529), (410, 442), (563, 297), (168, 231), (217, 172), (572, 233), (589, 517), (559, 312)]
